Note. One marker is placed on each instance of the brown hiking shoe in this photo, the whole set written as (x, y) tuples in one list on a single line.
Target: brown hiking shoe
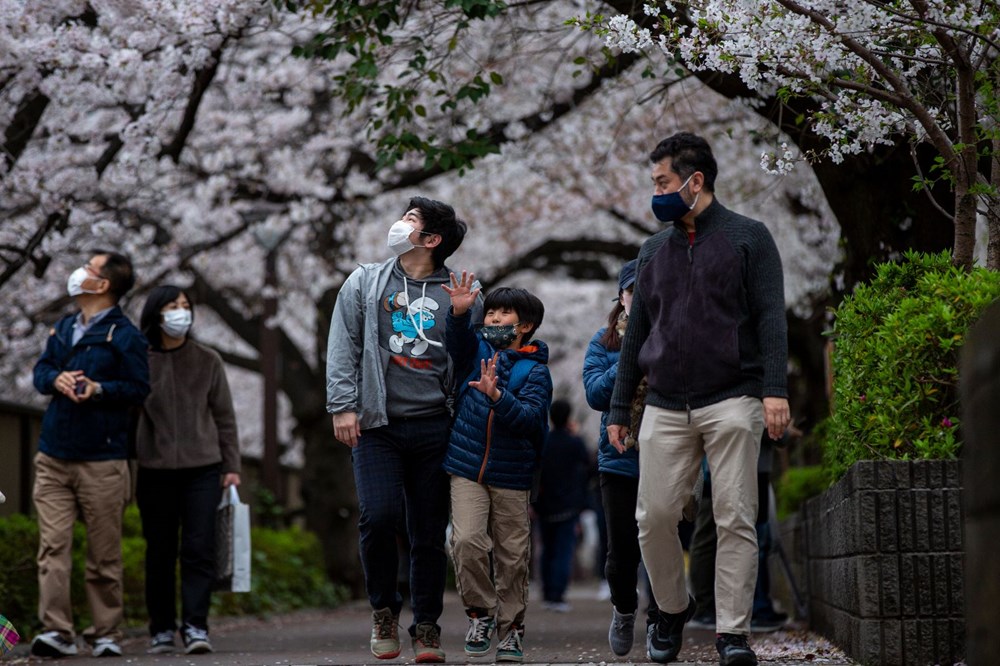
[(385, 634), (427, 644)]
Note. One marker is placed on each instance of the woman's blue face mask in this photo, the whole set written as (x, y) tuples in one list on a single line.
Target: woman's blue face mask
[(671, 207)]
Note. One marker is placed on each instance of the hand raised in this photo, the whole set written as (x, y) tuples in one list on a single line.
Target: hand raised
[(487, 382), (463, 296)]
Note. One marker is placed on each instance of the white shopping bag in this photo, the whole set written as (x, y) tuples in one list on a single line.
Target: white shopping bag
[(232, 543)]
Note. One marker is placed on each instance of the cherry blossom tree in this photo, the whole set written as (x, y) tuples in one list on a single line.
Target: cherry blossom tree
[(190, 136), (871, 71)]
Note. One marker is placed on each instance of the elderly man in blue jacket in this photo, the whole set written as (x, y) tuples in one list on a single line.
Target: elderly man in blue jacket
[(95, 368)]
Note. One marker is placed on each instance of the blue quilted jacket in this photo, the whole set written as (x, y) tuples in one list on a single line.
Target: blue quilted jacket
[(497, 443), (600, 368)]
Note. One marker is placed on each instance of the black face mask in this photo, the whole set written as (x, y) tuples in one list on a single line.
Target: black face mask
[(499, 337)]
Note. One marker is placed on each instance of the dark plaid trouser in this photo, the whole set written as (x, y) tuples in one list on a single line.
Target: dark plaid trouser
[(397, 472)]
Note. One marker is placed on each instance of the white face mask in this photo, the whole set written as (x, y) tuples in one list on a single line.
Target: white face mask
[(74, 285), (399, 237), (176, 323)]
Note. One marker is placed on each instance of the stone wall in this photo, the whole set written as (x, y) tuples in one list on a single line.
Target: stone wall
[(882, 557)]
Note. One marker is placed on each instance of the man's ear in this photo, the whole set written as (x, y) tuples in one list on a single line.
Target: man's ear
[(433, 240), (697, 182)]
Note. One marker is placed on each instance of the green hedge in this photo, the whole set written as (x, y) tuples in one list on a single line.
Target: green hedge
[(287, 574), (797, 485), (895, 360)]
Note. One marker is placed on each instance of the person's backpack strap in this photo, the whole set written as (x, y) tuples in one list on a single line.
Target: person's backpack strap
[(519, 373)]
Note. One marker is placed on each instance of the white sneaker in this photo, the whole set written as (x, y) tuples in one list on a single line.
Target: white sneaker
[(195, 640), (106, 647), (52, 644)]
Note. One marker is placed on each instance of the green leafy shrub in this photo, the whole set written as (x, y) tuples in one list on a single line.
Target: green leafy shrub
[(797, 485), (287, 574), (895, 360)]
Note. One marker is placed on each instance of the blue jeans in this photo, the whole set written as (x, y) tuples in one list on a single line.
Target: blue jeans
[(558, 545), (398, 474)]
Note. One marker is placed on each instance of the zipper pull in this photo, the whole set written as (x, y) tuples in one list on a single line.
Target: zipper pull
[(687, 406), (690, 254)]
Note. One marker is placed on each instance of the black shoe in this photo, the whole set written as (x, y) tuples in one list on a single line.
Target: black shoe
[(663, 642), (734, 650), (767, 620)]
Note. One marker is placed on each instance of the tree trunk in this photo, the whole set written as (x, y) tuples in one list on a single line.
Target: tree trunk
[(993, 213)]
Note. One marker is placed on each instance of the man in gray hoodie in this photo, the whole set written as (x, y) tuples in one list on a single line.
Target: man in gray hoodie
[(389, 388)]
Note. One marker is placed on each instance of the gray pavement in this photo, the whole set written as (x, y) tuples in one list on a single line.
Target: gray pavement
[(340, 636)]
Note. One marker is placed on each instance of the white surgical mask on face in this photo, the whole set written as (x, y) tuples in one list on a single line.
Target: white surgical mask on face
[(74, 285), (399, 237), (176, 323)]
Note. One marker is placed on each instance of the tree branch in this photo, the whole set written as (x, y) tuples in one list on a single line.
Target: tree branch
[(203, 78)]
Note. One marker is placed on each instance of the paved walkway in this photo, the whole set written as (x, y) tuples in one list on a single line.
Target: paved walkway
[(340, 636)]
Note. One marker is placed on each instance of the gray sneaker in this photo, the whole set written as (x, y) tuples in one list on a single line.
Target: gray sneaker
[(161, 643), (621, 633), (52, 644), (385, 634), (195, 640), (106, 647)]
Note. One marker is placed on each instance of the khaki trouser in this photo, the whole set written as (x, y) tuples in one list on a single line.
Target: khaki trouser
[(97, 491), (485, 519), (670, 453)]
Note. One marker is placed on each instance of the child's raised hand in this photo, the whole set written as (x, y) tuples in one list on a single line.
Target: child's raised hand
[(488, 379), (462, 294)]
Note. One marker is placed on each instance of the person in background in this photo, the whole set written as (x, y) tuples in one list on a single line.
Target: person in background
[(501, 413), (187, 448), (389, 385), (95, 368), (562, 496), (619, 473)]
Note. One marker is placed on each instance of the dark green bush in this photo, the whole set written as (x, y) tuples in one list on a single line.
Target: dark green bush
[(797, 485), (287, 574), (895, 360)]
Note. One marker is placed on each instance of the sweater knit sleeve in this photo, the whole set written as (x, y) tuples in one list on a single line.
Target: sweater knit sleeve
[(766, 293), (221, 404)]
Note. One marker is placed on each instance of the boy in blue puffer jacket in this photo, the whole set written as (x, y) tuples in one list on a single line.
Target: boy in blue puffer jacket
[(500, 423)]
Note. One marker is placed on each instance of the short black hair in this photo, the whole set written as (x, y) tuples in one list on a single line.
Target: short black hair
[(439, 218), (149, 320), (528, 307), (117, 271), (688, 153), (559, 412)]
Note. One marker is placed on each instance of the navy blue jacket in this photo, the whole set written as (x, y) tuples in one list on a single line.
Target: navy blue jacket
[(600, 368), (497, 443), (562, 494), (113, 353)]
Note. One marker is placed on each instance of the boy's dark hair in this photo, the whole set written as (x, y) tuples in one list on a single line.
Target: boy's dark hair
[(149, 320), (559, 412), (117, 271), (528, 307), (688, 153), (439, 218)]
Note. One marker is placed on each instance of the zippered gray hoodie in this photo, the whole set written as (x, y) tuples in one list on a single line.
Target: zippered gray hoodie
[(355, 365)]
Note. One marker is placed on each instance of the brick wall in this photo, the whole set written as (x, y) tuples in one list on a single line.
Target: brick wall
[(882, 557)]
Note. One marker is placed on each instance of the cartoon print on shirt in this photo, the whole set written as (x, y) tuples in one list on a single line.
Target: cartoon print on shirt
[(407, 318)]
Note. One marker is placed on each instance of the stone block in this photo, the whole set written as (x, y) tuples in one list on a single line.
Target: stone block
[(935, 474), (956, 562), (953, 518), (905, 511), (891, 602), (892, 475), (868, 568), (941, 584), (869, 642), (958, 645), (908, 583), (952, 473), (888, 535), (938, 525), (925, 593), (863, 474), (911, 642), (921, 521), (867, 522)]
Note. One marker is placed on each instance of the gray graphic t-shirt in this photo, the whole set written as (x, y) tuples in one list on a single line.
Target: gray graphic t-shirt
[(411, 319)]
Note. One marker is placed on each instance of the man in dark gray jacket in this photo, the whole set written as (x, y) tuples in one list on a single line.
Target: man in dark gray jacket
[(708, 332)]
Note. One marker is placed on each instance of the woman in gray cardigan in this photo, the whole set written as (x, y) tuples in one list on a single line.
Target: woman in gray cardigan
[(187, 449)]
